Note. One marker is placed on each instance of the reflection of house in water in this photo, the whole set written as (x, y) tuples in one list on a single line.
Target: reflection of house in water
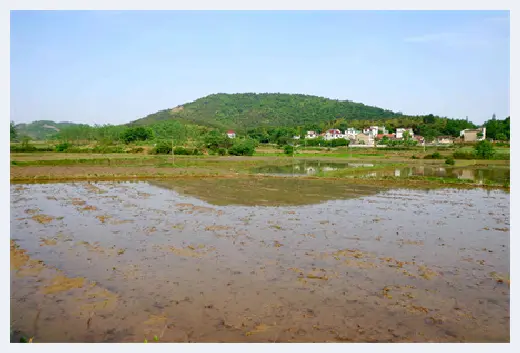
[(440, 172), (419, 170), (465, 174), (310, 170)]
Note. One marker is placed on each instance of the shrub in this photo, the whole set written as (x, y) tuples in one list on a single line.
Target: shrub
[(463, 155), (288, 150), (139, 133), (222, 151), (435, 155), (62, 147), (244, 147), (484, 150), (414, 157), (162, 147), (450, 161)]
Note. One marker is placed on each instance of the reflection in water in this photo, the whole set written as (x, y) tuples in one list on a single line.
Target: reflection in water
[(307, 168), (480, 174), (266, 192)]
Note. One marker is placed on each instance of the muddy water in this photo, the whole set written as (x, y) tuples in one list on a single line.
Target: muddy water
[(121, 262)]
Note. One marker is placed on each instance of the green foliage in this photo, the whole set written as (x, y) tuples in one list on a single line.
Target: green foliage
[(162, 147), (498, 129), (14, 133), (222, 151), (450, 161), (463, 155), (435, 155), (139, 133), (62, 147), (243, 110), (484, 150), (41, 129), (243, 147), (215, 139), (288, 150), (501, 136)]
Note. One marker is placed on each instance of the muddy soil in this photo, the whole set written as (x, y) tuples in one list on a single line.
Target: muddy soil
[(248, 262)]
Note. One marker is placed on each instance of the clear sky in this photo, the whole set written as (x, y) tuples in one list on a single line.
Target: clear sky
[(117, 66)]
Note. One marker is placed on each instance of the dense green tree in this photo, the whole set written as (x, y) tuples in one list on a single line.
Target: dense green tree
[(494, 127), (139, 133), (243, 147), (484, 149), (14, 134)]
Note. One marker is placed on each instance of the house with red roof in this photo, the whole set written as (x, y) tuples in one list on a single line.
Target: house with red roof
[(231, 134)]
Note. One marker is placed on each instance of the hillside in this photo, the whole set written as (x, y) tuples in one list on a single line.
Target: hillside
[(249, 110), (41, 129)]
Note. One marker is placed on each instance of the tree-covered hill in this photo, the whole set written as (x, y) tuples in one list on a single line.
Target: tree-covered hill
[(41, 129), (242, 111)]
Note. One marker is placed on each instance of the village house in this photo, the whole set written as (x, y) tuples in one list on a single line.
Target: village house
[(296, 137), (473, 135), (351, 133), (332, 134), (420, 140), (390, 136), (444, 140), (231, 134), (399, 132), (311, 134), (365, 139)]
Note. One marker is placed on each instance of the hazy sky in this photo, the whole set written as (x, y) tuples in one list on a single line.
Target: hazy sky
[(113, 67)]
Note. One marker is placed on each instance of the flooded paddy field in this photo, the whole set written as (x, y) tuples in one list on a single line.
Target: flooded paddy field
[(258, 260)]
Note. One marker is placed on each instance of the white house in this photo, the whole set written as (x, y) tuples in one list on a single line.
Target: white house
[(231, 134), (374, 130), (296, 137), (332, 134), (311, 135), (351, 133), (399, 132), (472, 135)]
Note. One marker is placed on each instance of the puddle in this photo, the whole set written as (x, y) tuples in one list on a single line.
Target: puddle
[(246, 260)]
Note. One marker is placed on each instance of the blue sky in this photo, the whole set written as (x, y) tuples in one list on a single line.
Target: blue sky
[(117, 66)]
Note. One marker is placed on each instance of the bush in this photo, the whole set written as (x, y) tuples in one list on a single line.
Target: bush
[(450, 161), (244, 147), (62, 147), (435, 155), (222, 151), (463, 155), (136, 134), (414, 157), (162, 147), (288, 150), (484, 150)]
